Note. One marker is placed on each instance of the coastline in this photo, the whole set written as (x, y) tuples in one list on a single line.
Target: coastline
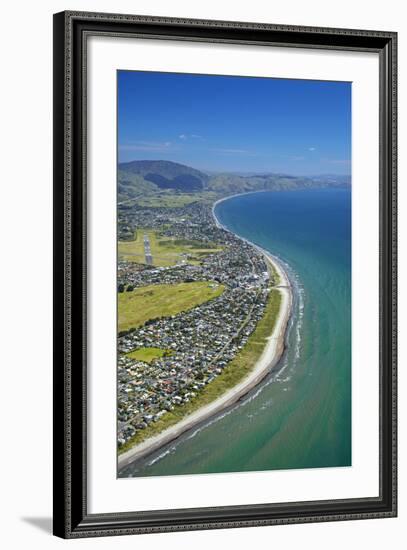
[(270, 356)]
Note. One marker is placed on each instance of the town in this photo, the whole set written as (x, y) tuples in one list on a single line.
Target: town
[(197, 344)]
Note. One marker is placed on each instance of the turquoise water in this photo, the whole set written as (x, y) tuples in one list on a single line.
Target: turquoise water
[(300, 417)]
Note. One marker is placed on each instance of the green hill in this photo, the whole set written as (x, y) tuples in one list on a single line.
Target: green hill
[(130, 186), (143, 178), (166, 175)]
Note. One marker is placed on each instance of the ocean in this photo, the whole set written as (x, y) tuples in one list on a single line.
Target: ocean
[(300, 415)]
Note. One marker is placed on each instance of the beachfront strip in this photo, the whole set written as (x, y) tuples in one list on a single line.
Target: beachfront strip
[(196, 344)]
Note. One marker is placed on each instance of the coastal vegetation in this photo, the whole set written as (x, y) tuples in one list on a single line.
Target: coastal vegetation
[(238, 368), (163, 300), (274, 275)]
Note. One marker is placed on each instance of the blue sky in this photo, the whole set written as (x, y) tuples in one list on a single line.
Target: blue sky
[(235, 124)]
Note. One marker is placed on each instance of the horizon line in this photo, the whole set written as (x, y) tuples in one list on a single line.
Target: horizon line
[(253, 172)]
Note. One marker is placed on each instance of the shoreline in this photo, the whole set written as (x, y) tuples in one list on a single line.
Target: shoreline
[(269, 358)]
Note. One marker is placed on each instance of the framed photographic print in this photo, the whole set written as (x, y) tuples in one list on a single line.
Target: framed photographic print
[(224, 274)]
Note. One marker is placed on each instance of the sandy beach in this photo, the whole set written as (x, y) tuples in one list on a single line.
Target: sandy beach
[(269, 358)]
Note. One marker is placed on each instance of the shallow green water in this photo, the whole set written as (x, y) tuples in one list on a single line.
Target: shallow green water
[(300, 417)]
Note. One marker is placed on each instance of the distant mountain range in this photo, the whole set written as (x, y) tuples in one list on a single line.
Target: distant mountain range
[(150, 176)]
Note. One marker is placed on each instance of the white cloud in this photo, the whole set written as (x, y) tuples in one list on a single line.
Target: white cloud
[(159, 146), (190, 136), (233, 151), (311, 148), (344, 162)]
